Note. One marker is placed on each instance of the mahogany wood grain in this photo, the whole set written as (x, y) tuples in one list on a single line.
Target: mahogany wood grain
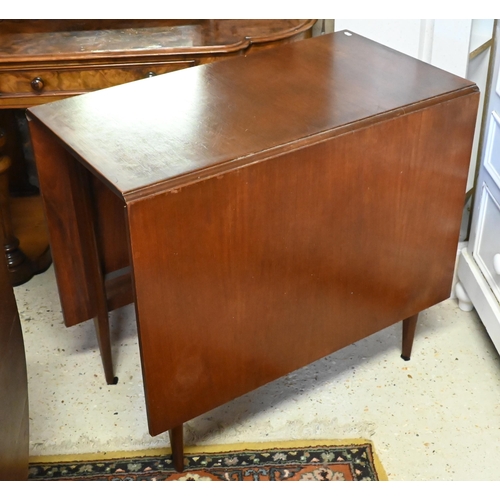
[(273, 266), (278, 207), (54, 172), (14, 418), (66, 242), (241, 110)]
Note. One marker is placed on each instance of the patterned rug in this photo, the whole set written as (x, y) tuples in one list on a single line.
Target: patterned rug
[(352, 461)]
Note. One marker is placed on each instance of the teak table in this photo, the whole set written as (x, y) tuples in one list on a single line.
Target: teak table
[(261, 212)]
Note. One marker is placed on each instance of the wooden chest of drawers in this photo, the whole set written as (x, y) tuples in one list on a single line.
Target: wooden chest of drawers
[(58, 82)]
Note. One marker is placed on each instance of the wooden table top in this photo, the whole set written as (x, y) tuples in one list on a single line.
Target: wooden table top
[(167, 131)]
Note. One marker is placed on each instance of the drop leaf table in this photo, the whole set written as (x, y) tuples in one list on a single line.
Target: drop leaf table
[(260, 212)]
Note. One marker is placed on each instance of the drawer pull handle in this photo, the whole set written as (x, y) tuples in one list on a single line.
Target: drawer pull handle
[(37, 84), (496, 263), (151, 74)]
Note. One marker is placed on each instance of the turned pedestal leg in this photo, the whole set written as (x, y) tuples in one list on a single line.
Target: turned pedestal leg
[(19, 266), (177, 445), (409, 325)]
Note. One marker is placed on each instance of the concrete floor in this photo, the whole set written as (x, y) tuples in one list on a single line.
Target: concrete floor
[(436, 417)]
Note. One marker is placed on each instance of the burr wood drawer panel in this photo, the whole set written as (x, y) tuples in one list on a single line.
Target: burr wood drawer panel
[(78, 80)]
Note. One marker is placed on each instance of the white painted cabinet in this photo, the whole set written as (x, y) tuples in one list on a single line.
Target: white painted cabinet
[(479, 263)]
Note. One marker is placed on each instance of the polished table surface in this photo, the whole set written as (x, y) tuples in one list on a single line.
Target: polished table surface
[(263, 212)]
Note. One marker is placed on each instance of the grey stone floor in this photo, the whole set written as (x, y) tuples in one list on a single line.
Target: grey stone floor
[(436, 417)]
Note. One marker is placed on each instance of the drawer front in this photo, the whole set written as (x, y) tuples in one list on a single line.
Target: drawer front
[(487, 245), (79, 80), (492, 152)]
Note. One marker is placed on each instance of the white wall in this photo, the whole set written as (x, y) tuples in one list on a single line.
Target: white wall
[(444, 43), (399, 34)]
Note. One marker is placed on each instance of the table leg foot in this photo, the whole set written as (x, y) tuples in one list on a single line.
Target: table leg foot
[(104, 340), (177, 445), (409, 326)]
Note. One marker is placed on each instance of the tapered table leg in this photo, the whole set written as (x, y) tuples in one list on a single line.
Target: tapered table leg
[(409, 326), (93, 268), (177, 445)]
